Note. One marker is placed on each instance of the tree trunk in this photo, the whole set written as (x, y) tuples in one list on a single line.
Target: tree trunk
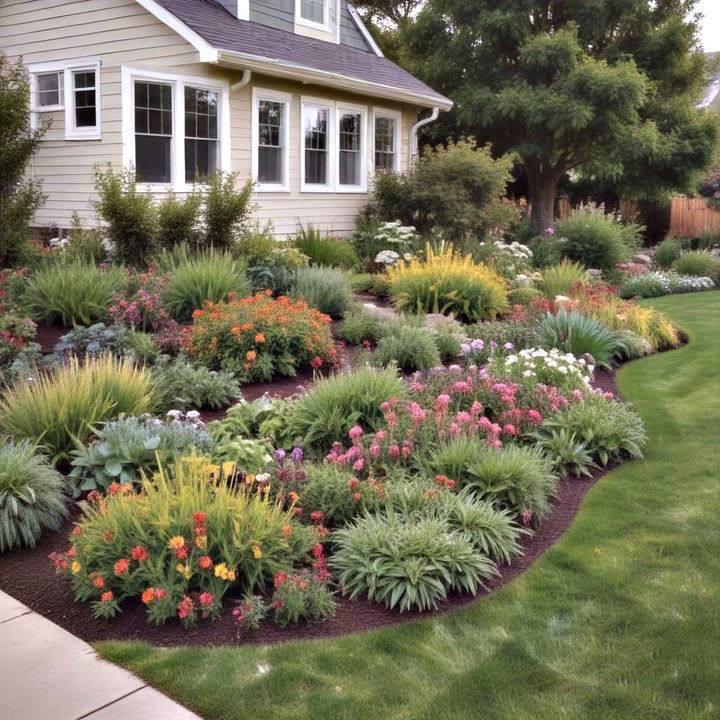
[(541, 190)]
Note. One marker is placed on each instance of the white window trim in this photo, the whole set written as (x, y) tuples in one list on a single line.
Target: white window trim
[(395, 115), (259, 94), (71, 131), (45, 69), (324, 26), (334, 110), (311, 102), (341, 108), (177, 163)]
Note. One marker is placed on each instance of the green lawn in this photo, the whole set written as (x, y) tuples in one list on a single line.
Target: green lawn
[(621, 619)]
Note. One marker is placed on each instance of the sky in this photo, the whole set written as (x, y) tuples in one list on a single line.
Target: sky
[(710, 35)]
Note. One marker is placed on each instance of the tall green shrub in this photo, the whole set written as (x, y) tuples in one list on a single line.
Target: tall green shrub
[(19, 197), (178, 219), (226, 209)]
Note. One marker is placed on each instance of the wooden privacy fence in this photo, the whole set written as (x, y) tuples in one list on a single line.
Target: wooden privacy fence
[(691, 216)]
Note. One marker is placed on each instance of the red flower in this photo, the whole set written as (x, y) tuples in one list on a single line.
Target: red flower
[(121, 566), (107, 535), (287, 531), (76, 531), (107, 596), (280, 578), (206, 599), (205, 562), (316, 363), (98, 581), (353, 483), (317, 517), (160, 593), (93, 497), (317, 550), (182, 552), (357, 496), (199, 518), (139, 553), (114, 488), (185, 607)]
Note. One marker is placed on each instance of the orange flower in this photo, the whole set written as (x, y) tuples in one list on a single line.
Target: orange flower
[(259, 338), (205, 562), (107, 535), (121, 566), (197, 313), (176, 542), (98, 581), (139, 553), (148, 596), (76, 531), (287, 530), (107, 596), (250, 355)]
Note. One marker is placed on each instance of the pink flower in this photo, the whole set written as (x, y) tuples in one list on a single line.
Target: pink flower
[(206, 599), (394, 451), (358, 465), (355, 433), (608, 396), (526, 516)]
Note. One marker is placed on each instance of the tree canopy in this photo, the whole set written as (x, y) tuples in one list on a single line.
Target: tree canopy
[(606, 88)]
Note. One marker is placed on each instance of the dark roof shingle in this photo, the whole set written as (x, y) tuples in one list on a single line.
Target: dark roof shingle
[(225, 32)]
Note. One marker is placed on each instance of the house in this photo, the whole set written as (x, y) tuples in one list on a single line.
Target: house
[(293, 93), (711, 95)]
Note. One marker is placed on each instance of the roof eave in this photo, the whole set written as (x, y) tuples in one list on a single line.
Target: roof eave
[(307, 75)]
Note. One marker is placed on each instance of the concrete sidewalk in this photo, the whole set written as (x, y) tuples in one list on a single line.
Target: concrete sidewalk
[(48, 674)]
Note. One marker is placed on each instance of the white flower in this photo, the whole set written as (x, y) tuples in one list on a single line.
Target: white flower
[(192, 414)]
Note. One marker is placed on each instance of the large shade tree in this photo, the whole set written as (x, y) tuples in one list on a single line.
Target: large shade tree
[(606, 88)]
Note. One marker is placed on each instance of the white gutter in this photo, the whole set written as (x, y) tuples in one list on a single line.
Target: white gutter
[(414, 132), (307, 75)]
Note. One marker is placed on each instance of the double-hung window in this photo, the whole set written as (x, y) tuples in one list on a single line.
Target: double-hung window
[(313, 13), (316, 154), (386, 134), (334, 152), (48, 91), (175, 128), (271, 139)]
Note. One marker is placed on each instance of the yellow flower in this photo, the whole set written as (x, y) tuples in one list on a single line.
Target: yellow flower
[(76, 567), (176, 542), (257, 553), (249, 479), (180, 568), (231, 575), (228, 468), (201, 542), (212, 469), (221, 571)]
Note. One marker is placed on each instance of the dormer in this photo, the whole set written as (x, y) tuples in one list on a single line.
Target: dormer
[(317, 19)]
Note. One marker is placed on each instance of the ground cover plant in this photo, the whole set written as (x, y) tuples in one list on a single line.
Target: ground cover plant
[(543, 627)]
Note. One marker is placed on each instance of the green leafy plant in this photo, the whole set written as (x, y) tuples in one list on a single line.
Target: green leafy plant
[(516, 478), (329, 489), (178, 219), (227, 210), (325, 250), (519, 334), (568, 454), (32, 496), (325, 289), (699, 263), (359, 325), (73, 294), (409, 346), (668, 251), (129, 215), (579, 334), (302, 596), (609, 428), (559, 279), (94, 340), (326, 412), (182, 386), (124, 449), (59, 409), (197, 277), (406, 562), (447, 340), (597, 239)]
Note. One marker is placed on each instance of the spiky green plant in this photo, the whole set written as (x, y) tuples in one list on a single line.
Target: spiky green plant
[(32, 496), (76, 293), (205, 275), (325, 289), (408, 345), (559, 279), (59, 409), (325, 250)]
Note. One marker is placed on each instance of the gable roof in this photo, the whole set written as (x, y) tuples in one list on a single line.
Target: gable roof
[(230, 42)]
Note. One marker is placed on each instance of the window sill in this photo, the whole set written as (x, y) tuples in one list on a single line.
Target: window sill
[(269, 188), (94, 135)]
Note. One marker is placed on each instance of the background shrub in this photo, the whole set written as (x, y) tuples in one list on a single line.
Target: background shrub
[(325, 289), (360, 324), (668, 251), (130, 216), (325, 250), (58, 409), (94, 340), (409, 346), (447, 341), (178, 219), (456, 189), (596, 239), (32, 496), (72, 294), (447, 283), (324, 414), (206, 275), (227, 209), (699, 263)]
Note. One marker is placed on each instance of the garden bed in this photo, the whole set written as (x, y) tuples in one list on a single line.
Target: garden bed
[(28, 575)]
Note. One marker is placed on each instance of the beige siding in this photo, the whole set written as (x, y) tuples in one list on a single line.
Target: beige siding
[(121, 32)]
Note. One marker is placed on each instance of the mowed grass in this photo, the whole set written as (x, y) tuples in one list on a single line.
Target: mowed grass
[(620, 619)]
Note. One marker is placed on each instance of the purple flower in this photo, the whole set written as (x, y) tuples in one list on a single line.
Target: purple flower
[(550, 231), (280, 455), (508, 346), (297, 455), (493, 344)]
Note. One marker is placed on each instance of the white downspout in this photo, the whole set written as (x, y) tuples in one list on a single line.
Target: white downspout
[(247, 74), (414, 132)]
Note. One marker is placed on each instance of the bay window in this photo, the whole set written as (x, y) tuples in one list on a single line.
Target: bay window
[(175, 128), (270, 139)]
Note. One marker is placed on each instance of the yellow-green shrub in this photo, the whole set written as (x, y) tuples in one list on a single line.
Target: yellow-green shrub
[(59, 408), (447, 282)]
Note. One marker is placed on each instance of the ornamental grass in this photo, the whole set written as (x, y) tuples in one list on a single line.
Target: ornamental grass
[(449, 283), (59, 409)]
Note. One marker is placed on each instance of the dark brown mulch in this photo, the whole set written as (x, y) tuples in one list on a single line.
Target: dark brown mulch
[(28, 576), (48, 335)]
